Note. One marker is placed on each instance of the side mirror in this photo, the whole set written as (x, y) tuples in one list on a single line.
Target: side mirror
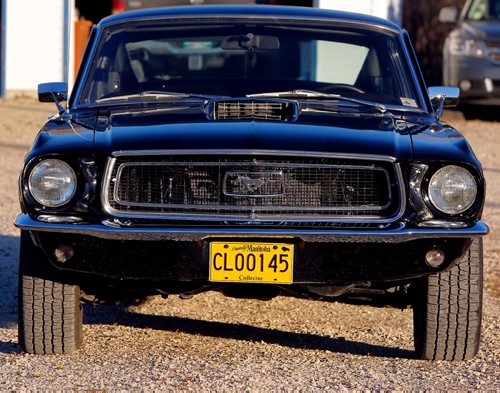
[(48, 92), (448, 14), (53, 92), (443, 96)]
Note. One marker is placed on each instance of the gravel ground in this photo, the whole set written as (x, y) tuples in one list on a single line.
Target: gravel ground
[(212, 343)]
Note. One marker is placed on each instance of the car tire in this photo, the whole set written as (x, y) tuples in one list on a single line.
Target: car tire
[(447, 309), (50, 313), (480, 112), (470, 112)]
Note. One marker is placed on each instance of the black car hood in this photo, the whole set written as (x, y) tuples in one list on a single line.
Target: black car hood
[(313, 132), (485, 30), (188, 129)]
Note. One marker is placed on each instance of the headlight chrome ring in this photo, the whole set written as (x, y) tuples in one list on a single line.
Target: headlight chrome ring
[(452, 189), (52, 183)]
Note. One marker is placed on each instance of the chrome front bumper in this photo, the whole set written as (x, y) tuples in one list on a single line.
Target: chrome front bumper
[(109, 230)]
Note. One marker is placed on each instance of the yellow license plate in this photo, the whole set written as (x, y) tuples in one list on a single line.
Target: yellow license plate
[(251, 262)]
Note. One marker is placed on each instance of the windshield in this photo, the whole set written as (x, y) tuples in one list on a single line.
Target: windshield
[(237, 59), (484, 10)]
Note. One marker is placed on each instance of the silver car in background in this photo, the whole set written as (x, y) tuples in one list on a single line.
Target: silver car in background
[(471, 53)]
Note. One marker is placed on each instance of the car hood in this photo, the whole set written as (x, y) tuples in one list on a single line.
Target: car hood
[(485, 30), (187, 129), (312, 132)]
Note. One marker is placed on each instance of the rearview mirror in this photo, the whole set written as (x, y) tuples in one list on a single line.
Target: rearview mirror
[(448, 14), (250, 42)]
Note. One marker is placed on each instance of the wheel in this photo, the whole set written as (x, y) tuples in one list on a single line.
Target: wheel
[(471, 112), (50, 313), (447, 309), (480, 112)]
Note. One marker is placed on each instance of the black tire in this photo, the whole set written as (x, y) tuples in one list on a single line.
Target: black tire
[(480, 112), (447, 309), (471, 112), (50, 313)]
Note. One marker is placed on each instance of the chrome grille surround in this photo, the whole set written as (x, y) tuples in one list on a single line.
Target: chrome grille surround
[(250, 209)]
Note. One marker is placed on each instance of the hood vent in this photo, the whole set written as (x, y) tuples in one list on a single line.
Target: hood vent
[(253, 109)]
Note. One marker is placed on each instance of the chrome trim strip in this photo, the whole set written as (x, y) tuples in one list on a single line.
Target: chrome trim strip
[(411, 60), (234, 218), (250, 152), (242, 163), (402, 191), (106, 181), (417, 174), (106, 230), (280, 219)]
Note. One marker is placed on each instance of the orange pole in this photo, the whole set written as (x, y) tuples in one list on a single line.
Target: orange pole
[(82, 32)]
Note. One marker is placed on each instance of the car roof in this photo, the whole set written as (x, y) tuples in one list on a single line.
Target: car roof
[(252, 12)]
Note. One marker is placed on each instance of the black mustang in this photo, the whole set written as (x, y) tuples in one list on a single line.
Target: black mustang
[(255, 151)]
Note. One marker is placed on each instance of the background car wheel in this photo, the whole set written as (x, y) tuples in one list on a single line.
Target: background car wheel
[(481, 112), (50, 312), (447, 309), (470, 112)]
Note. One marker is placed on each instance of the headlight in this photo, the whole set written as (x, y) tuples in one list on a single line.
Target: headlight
[(52, 183), (468, 47), (452, 189)]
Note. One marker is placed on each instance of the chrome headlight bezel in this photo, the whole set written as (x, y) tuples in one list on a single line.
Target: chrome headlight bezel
[(63, 188), (452, 182)]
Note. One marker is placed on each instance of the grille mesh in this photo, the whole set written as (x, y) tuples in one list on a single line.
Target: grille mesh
[(250, 188)]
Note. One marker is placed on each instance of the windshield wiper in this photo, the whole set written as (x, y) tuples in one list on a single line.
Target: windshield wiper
[(154, 95), (316, 95)]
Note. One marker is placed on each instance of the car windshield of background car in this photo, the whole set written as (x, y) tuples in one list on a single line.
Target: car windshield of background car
[(484, 10)]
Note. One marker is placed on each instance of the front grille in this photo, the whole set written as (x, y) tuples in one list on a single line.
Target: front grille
[(252, 188)]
